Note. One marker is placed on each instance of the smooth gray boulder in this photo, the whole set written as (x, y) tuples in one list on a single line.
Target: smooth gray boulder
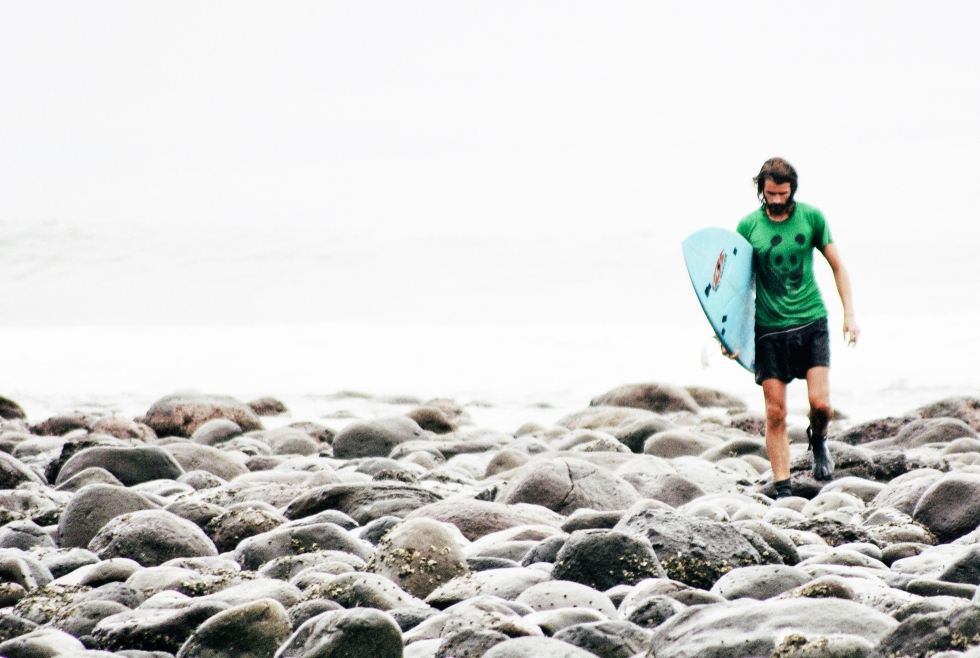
[(255, 551), (477, 518), (357, 633), (746, 627), (195, 457), (567, 484), (92, 507), (131, 465), (362, 502), (506, 583), (536, 647), (151, 537), (760, 582), (375, 438), (251, 630)]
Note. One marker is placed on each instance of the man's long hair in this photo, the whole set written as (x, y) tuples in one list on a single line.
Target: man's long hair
[(778, 171)]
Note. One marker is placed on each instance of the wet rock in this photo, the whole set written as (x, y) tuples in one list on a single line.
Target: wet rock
[(469, 642), (251, 630), (660, 398), (753, 628), (375, 438), (775, 538), (477, 518), (195, 457), (130, 465), (419, 555), (151, 537), (692, 550), (670, 488), (565, 485), (267, 407), (903, 493), (359, 633), (950, 507), (182, 413), (362, 502), (92, 507), (255, 551), (587, 519), (603, 559), (216, 431), (80, 618)]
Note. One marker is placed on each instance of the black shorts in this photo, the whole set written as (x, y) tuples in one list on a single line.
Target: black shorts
[(787, 354)]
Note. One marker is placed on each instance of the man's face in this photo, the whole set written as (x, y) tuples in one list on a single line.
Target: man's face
[(777, 197)]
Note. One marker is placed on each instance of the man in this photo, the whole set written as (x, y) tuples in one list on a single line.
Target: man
[(791, 335)]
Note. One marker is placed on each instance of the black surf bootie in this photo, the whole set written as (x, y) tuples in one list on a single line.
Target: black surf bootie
[(823, 463)]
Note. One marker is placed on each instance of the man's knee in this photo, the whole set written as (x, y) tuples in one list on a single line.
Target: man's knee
[(775, 413), (820, 410)]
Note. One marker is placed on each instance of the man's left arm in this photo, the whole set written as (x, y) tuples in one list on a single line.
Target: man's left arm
[(832, 255)]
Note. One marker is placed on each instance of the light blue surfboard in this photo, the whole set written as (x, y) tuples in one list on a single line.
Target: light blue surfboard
[(719, 263)]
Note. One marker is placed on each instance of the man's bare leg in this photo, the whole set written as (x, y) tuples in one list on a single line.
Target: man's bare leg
[(818, 390), (777, 440)]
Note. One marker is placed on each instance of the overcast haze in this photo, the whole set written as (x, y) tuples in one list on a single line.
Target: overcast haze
[(474, 162)]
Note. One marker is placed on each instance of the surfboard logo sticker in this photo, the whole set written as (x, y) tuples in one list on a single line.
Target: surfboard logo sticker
[(719, 271)]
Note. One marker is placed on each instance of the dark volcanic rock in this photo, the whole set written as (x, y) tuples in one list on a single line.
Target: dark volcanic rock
[(362, 502), (231, 527), (661, 398), (836, 533), (692, 550), (130, 465), (182, 413), (151, 537), (375, 438), (605, 558)]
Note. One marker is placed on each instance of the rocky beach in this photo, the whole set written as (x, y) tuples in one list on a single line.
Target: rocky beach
[(642, 525)]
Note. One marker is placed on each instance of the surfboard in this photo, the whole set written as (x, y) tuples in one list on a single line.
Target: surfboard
[(719, 263)]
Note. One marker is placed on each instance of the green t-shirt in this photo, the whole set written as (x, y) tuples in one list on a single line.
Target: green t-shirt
[(786, 294)]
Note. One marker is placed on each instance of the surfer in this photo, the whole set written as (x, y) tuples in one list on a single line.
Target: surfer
[(791, 335)]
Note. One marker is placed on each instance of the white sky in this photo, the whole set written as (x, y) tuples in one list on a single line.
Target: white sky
[(626, 125)]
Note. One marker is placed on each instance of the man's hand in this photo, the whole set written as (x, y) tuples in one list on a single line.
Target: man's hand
[(851, 331), (730, 355)]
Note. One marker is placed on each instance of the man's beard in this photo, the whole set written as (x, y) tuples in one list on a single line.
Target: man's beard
[(778, 209)]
